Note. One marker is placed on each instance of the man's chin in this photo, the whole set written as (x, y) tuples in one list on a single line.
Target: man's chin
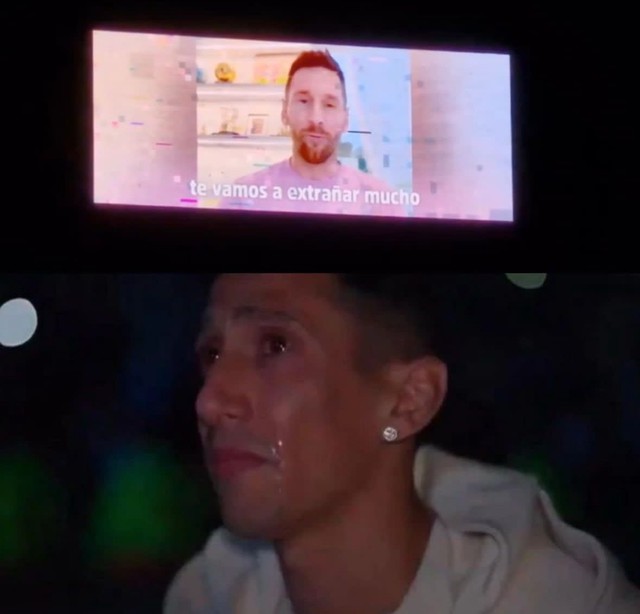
[(316, 159), (311, 156)]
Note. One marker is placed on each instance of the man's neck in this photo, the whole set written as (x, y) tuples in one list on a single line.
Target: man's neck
[(363, 560), (329, 168)]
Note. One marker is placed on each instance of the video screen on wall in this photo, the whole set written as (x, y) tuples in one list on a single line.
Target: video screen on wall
[(254, 125)]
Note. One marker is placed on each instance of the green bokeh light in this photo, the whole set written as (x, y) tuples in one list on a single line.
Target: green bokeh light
[(565, 499), (31, 509), (150, 511)]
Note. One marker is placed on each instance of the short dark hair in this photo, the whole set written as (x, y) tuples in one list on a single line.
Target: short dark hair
[(396, 314), (316, 59)]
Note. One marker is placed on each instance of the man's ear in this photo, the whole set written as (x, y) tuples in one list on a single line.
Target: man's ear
[(420, 389), (283, 113)]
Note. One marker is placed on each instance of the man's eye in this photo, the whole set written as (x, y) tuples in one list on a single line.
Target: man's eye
[(209, 355), (273, 344)]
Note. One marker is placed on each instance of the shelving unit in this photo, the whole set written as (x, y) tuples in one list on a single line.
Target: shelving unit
[(215, 92), (231, 106), (242, 141)]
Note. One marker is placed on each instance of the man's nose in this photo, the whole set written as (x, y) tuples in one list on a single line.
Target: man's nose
[(316, 115), (223, 394)]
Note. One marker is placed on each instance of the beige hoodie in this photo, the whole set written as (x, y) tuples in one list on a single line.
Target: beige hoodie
[(498, 547)]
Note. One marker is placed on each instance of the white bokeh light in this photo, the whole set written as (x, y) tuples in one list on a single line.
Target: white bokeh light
[(18, 322), (527, 281)]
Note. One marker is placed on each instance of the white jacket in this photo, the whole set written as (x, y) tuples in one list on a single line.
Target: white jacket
[(499, 547)]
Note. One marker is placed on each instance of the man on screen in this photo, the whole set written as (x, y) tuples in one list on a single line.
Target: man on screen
[(315, 389), (312, 179)]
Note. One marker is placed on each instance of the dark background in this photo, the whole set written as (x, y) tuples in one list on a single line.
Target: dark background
[(102, 491), (572, 121)]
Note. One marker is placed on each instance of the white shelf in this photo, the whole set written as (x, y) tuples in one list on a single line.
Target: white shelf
[(278, 142), (238, 91)]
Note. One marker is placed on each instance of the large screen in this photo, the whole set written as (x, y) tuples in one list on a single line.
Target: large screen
[(255, 125)]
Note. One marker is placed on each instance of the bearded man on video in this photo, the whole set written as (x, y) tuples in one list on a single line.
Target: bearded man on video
[(312, 179)]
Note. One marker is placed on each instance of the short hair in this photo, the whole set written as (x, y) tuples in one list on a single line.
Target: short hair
[(316, 59), (396, 314)]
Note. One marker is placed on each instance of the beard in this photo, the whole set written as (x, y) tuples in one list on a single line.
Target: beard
[(315, 151)]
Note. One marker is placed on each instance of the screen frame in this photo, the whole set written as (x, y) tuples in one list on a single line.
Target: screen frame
[(239, 225)]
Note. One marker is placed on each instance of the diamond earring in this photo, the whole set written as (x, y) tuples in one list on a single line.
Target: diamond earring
[(390, 434)]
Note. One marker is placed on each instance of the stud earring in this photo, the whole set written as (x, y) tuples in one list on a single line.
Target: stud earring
[(390, 434)]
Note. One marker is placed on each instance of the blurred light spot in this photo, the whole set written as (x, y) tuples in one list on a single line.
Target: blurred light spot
[(539, 466), (18, 322), (149, 511), (527, 281), (31, 509)]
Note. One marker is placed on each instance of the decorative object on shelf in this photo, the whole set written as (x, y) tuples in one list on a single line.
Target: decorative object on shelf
[(272, 68), (229, 120), (257, 124), (199, 75), (225, 73)]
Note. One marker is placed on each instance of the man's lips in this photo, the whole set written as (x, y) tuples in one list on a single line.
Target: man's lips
[(223, 455), (226, 463)]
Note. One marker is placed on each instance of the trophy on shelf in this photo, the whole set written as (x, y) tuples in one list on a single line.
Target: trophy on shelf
[(225, 73), (228, 121), (257, 124)]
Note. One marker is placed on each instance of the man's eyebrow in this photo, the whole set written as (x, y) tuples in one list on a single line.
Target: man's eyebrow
[(248, 313), (308, 93), (253, 312)]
